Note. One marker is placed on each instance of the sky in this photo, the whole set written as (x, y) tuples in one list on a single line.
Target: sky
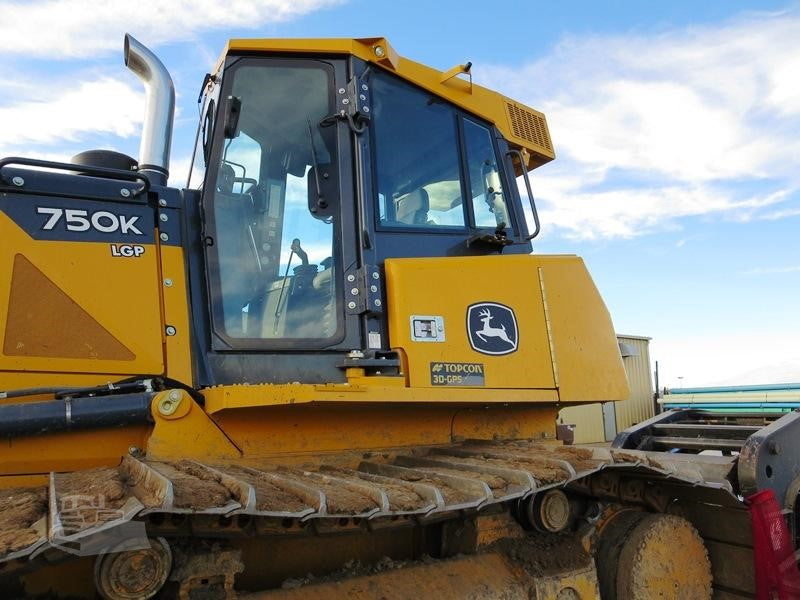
[(676, 127)]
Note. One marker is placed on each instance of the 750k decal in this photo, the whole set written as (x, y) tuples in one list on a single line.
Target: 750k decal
[(81, 220)]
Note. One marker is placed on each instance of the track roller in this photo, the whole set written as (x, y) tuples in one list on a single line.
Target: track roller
[(652, 556), (138, 574), (549, 511)]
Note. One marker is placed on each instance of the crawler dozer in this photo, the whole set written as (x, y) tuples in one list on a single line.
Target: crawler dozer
[(330, 366)]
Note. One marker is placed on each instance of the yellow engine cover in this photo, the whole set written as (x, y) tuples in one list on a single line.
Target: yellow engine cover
[(504, 322)]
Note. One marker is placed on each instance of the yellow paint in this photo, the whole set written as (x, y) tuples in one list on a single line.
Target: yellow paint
[(572, 330), (21, 481), (580, 583), (72, 579), (309, 431), (187, 433), (489, 576), (512, 422), (69, 450), (176, 313), (246, 396), (585, 345), (102, 285), (476, 99)]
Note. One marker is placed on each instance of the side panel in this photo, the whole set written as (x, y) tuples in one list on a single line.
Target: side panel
[(587, 359), (79, 290), (524, 322), (512, 350)]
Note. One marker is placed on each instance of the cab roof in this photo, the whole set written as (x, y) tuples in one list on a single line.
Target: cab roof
[(522, 126)]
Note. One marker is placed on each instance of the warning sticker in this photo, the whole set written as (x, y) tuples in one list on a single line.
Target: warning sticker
[(448, 373)]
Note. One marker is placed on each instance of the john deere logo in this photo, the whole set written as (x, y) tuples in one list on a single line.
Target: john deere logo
[(492, 328)]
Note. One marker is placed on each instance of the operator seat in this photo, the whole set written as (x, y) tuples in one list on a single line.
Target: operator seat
[(412, 209), (238, 261)]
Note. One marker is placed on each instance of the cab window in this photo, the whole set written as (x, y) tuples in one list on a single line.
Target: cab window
[(417, 161), (273, 261), (486, 190)]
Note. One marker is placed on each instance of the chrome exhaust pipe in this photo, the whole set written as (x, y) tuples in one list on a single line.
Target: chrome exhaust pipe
[(159, 110)]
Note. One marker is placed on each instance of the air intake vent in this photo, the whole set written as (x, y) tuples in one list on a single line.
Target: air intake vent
[(529, 126)]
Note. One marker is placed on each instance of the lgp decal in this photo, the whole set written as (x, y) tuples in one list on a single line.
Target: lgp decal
[(492, 328), (127, 250)]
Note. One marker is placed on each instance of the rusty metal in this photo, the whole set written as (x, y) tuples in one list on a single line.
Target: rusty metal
[(664, 557), (486, 576), (770, 458), (418, 487), (136, 574), (204, 570), (549, 511)]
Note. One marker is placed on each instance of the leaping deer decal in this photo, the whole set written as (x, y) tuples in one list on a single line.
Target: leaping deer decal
[(488, 331)]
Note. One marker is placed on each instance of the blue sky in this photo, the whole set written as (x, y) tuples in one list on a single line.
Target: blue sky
[(677, 129)]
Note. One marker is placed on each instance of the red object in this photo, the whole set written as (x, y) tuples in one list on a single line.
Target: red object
[(777, 575)]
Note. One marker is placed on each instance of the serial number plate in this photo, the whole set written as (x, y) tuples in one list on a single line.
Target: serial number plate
[(448, 373)]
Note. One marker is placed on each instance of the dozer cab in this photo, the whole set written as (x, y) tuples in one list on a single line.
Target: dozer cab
[(331, 365)]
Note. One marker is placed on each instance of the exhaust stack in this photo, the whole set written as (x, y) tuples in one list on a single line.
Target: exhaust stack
[(159, 110)]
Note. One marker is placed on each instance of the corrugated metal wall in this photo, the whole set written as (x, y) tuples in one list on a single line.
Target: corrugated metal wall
[(638, 407), (588, 420)]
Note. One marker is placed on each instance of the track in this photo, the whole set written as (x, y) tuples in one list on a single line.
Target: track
[(78, 509)]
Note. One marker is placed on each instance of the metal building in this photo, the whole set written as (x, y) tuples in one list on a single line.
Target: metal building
[(600, 422)]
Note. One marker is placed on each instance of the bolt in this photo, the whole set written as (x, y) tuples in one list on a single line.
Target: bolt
[(164, 237), (366, 109), (362, 96), (351, 305), (171, 330), (163, 217), (774, 447), (373, 288), (162, 202), (375, 275), (134, 450), (341, 90), (354, 291), (378, 302), (168, 283), (124, 192), (168, 405), (18, 181), (364, 87), (345, 101), (379, 51), (351, 278)]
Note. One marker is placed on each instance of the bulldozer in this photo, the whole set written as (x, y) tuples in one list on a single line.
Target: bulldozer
[(331, 365)]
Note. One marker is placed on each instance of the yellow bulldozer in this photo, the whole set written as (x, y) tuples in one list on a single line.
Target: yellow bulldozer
[(330, 367)]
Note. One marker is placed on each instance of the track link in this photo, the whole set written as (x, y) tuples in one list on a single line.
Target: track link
[(76, 509)]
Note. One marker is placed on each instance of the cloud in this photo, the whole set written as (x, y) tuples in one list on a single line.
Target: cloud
[(654, 128), (106, 105), (80, 28)]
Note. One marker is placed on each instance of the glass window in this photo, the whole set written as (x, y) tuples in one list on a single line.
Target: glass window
[(488, 199), (416, 152), (275, 259)]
